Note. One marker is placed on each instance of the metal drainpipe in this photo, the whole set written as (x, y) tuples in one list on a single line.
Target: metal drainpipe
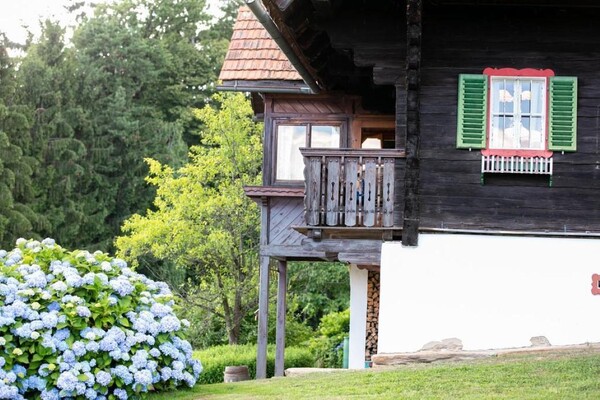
[(265, 19)]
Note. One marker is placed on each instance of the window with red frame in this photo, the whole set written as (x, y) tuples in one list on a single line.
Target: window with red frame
[(510, 112)]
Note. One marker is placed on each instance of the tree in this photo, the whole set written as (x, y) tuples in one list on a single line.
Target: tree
[(17, 215), (312, 294), (202, 221), (77, 120), (48, 95)]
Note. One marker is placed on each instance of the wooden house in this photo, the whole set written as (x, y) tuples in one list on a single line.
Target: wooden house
[(447, 150)]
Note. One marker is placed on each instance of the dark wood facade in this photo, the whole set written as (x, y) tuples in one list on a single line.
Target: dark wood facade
[(452, 196), (457, 39)]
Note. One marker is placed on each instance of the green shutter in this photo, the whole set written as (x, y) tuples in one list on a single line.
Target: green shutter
[(472, 111), (563, 114)]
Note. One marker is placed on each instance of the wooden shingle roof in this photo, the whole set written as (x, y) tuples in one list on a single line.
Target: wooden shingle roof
[(253, 55)]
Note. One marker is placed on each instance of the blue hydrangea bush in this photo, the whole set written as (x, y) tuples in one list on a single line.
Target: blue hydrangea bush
[(78, 325)]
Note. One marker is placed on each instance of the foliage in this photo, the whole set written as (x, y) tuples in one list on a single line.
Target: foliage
[(536, 376), (78, 118), (215, 359), (327, 346), (202, 221), (317, 289), (17, 216), (79, 325)]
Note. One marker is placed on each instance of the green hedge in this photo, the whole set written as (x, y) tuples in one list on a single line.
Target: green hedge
[(215, 359)]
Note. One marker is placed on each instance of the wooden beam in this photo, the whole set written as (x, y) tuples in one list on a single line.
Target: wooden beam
[(281, 313), (340, 245), (263, 296), (291, 251), (263, 318), (372, 259), (410, 232)]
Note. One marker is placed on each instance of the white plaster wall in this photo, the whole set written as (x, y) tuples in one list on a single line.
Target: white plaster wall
[(488, 291), (358, 316)]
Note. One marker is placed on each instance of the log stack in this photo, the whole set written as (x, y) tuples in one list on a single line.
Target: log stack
[(372, 315)]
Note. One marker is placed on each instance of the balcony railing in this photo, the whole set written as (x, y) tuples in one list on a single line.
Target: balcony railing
[(349, 187)]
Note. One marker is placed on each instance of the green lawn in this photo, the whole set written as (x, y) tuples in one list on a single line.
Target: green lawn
[(551, 376)]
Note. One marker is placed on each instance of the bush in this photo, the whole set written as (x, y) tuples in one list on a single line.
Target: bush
[(215, 359), (84, 326), (326, 348)]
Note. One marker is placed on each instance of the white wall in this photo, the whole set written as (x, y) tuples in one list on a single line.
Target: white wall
[(488, 291), (358, 316)]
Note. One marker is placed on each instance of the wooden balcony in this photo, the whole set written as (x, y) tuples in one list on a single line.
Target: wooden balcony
[(352, 188)]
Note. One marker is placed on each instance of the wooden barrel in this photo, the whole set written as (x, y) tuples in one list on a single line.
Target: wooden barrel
[(236, 373)]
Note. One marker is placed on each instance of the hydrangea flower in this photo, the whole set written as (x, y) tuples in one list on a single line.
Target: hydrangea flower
[(111, 340)]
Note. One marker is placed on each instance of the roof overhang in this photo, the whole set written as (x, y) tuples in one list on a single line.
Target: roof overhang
[(265, 86)]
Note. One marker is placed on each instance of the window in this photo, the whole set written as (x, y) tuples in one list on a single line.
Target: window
[(517, 113), (509, 112), (291, 137), (517, 118)]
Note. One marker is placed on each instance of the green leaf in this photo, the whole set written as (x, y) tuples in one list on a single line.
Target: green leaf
[(23, 359)]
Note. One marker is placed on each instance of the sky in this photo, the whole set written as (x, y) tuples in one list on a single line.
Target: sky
[(16, 13)]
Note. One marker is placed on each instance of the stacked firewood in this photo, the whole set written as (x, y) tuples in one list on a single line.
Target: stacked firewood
[(372, 315)]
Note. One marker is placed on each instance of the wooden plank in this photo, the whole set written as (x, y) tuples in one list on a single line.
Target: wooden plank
[(281, 313), (372, 153), (373, 258), (351, 190), (294, 252), (337, 245), (387, 195), (332, 201), (369, 191), (313, 191)]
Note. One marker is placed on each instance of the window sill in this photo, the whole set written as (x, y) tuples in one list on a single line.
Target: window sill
[(256, 192), (517, 153)]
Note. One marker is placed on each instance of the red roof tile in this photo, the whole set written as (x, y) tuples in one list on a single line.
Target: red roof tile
[(253, 55)]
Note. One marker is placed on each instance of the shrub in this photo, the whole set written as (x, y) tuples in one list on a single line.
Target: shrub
[(84, 326), (326, 348), (215, 359)]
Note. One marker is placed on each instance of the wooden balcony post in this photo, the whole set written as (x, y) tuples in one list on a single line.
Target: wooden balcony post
[(281, 313), (263, 296), (263, 319)]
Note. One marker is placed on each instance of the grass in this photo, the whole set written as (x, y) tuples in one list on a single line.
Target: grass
[(575, 375)]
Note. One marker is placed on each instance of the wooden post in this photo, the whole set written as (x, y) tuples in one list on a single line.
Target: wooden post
[(410, 231), (281, 312), (263, 296)]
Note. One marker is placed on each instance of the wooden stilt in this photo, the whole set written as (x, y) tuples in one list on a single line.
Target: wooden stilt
[(281, 312), (263, 319), (263, 296)]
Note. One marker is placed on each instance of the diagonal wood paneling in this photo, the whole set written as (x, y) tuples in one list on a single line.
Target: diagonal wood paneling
[(286, 212), (314, 106)]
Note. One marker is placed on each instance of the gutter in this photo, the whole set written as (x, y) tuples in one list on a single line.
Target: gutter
[(265, 19)]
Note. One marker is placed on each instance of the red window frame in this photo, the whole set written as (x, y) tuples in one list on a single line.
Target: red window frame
[(512, 72)]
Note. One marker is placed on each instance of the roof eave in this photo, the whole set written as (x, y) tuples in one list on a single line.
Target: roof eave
[(265, 86)]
